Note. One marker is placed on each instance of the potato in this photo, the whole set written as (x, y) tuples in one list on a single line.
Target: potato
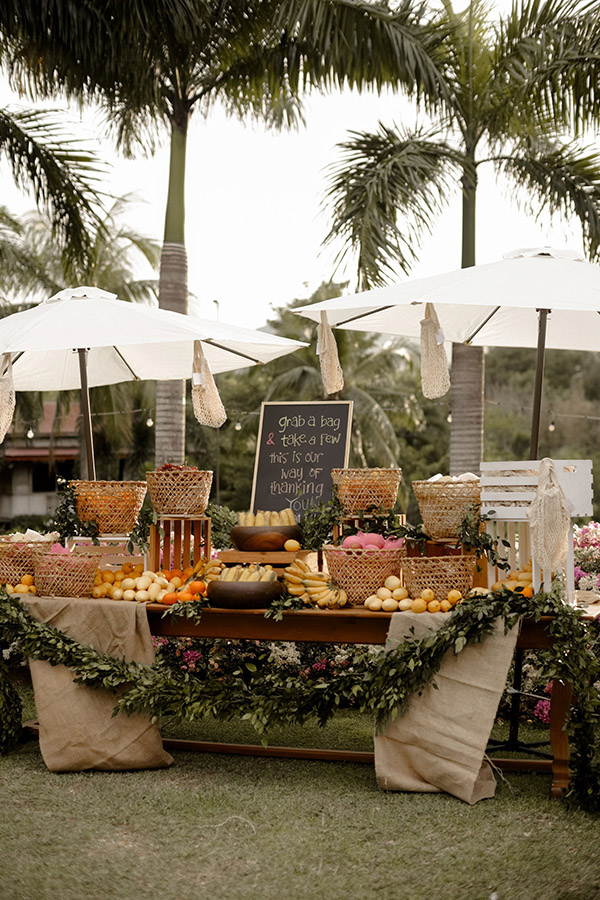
[(117, 594), (129, 595), (144, 582), (142, 596), (154, 590), (128, 584)]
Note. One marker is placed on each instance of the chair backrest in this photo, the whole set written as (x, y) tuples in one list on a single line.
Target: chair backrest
[(509, 488)]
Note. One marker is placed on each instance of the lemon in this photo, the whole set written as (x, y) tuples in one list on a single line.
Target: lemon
[(445, 606), (419, 605), (427, 595), (433, 606), (291, 546), (454, 597)]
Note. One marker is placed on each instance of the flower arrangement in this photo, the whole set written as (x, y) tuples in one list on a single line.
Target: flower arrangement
[(586, 547)]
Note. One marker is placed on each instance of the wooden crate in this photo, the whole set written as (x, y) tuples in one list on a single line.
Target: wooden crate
[(184, 540), (508, 490), (111, 550)]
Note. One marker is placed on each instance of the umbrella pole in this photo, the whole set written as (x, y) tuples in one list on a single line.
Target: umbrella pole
[(87, 417), (539, 381)]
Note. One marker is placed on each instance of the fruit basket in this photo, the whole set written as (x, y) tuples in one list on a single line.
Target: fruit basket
[(443, 505), (439, 573), (65, 574), (361, 572), (113, 505), (17, 557), (179, 490), (359, 490)]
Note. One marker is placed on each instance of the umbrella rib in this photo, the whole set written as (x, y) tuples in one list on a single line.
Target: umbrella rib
[(13, 361), (479, 327), (229, 350), (371, 312), (118, 352)]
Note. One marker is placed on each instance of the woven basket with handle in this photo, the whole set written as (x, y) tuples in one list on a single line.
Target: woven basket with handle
[(113, 505), (363, 489), (361, 572), (440, 574), (443, 505)]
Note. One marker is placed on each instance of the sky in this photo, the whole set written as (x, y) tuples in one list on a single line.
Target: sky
[(254, 204)]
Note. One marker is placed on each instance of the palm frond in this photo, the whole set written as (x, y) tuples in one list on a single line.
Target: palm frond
[(561, 179), (62, 174), (382, 177)]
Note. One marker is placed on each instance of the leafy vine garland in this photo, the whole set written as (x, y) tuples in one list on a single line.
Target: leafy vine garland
[(380, 683)]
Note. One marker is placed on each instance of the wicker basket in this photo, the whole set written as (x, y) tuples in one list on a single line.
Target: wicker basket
[(361, 572), (58, 575), (444, 505), (17, 558), (113, 505), (439, 573), (363, 489), (176, 493)]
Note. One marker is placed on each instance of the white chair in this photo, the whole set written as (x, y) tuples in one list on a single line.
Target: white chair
[(507, 491)]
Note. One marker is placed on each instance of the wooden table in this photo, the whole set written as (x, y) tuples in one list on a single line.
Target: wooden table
[(355, 626)]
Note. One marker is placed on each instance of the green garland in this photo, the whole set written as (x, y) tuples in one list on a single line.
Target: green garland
[(381, 683)]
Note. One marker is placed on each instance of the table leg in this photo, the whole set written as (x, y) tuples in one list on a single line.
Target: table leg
[(559, 740)]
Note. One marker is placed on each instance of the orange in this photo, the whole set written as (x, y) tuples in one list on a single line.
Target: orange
[(183, 596), (196, 587), (527, 591), (189, 570), (127, 568), (177, 572), (170, 598)]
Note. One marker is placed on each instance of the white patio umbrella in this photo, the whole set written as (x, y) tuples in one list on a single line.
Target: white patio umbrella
[(539, 297), (85, 337)]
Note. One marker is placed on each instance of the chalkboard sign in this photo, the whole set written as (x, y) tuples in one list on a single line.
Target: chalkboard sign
[(298, 446)]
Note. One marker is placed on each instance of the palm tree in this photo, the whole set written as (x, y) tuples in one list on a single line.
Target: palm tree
[(61, 173), (389, 186), (153, 65)]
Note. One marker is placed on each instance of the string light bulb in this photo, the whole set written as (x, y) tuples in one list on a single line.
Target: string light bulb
[(552, 426), (30, 432), (149, 421), (238, 426)]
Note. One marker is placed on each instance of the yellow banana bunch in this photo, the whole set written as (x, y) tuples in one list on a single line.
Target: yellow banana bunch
[(251, 573), (207, 571), (313, 588)]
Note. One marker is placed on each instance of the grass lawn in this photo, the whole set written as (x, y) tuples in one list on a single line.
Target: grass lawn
[(227, 827)]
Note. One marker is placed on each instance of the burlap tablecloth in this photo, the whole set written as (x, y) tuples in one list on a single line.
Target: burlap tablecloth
[(439, 743), (77, 730)]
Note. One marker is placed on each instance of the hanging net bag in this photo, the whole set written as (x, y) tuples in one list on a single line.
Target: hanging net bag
[(550, 521), (208, 406), (435, 377), (7, 396), (327, 351)]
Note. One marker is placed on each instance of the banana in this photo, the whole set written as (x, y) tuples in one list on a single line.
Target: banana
[(323, 602), (343, 598), (245, 575), (315, 582), (254, 576), (293, 579), (295, 591)]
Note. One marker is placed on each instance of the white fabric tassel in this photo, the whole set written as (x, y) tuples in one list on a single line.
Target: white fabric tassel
[(208, 407), (327, 351), (549, 520), (435, 377), (7, 396)]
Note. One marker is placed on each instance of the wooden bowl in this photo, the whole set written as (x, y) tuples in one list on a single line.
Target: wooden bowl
[(264, 538), (243, 594)]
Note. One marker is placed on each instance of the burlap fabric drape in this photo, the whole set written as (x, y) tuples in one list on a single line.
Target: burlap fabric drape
[(77, 729), (7, 395), (439, 743), (206, 400), (435, 377)]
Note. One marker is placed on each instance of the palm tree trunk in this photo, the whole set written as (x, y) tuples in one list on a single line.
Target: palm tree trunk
[(173, 295), (467, 377)]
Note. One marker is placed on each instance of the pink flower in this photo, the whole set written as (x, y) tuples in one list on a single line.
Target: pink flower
[(542, 711)]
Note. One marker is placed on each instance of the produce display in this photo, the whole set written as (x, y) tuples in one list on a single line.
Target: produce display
[(132, 582), (253, 572), (267, 517), (25, 586), (313, 588), (393, 597)]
